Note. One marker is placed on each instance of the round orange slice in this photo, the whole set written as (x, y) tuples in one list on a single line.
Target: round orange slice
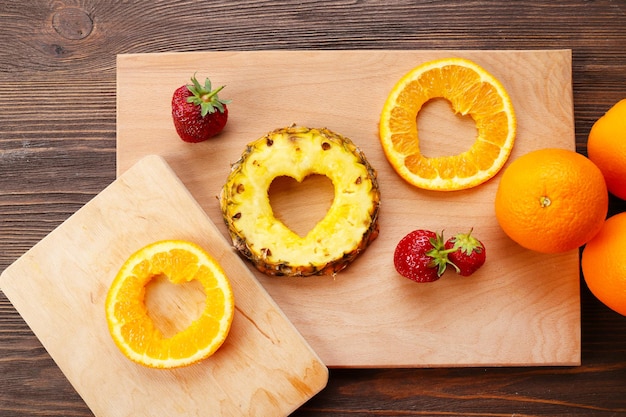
[(128, 318), (471, 91)]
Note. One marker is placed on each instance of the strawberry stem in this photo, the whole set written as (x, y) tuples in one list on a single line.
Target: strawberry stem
[(439, 254), (467, 243), (205, 97), (464, 242)]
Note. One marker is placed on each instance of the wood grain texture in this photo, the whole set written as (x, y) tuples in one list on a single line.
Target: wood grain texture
[(506, 314), (58, 151), (264, 367)]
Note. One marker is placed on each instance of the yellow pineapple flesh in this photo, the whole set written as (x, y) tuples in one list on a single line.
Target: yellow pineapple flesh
[(350, 225)]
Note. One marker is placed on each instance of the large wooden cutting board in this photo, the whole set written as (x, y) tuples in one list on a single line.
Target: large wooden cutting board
[(522, 308), (264, 368)]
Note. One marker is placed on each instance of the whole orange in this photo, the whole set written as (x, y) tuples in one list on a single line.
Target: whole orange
[(606, 147), (551, 200), (604, 263)]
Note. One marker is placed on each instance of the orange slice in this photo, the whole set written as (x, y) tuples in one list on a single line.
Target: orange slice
[(132, 328), (471, 91)]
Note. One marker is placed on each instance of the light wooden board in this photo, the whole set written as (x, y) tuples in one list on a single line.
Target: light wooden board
[(263, 368), (521, 308)]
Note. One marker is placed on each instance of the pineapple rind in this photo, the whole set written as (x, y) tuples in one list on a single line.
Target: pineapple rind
[(347, 229)]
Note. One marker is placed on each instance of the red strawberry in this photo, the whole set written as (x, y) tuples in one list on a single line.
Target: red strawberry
[(419, 256), (198, 112), (465, 253)]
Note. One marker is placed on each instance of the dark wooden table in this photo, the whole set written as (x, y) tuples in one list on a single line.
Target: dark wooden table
[(57, 150)]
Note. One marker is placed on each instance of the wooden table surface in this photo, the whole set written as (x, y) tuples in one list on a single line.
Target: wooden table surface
[(57, 151)]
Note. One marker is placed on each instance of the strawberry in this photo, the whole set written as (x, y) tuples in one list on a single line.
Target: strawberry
[(420, 256), (465, 253), (198, 112)]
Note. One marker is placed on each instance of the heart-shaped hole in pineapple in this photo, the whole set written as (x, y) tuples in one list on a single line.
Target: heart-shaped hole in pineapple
[(301, 205)]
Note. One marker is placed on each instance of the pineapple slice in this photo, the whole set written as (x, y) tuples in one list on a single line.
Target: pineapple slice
[(349, 226)]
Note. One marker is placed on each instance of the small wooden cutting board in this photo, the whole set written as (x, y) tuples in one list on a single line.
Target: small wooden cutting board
[(264, 368), (521, 308)]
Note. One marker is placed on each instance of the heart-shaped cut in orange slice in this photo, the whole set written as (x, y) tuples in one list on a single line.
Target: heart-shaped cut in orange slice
[(472, 91), (130, 325)]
